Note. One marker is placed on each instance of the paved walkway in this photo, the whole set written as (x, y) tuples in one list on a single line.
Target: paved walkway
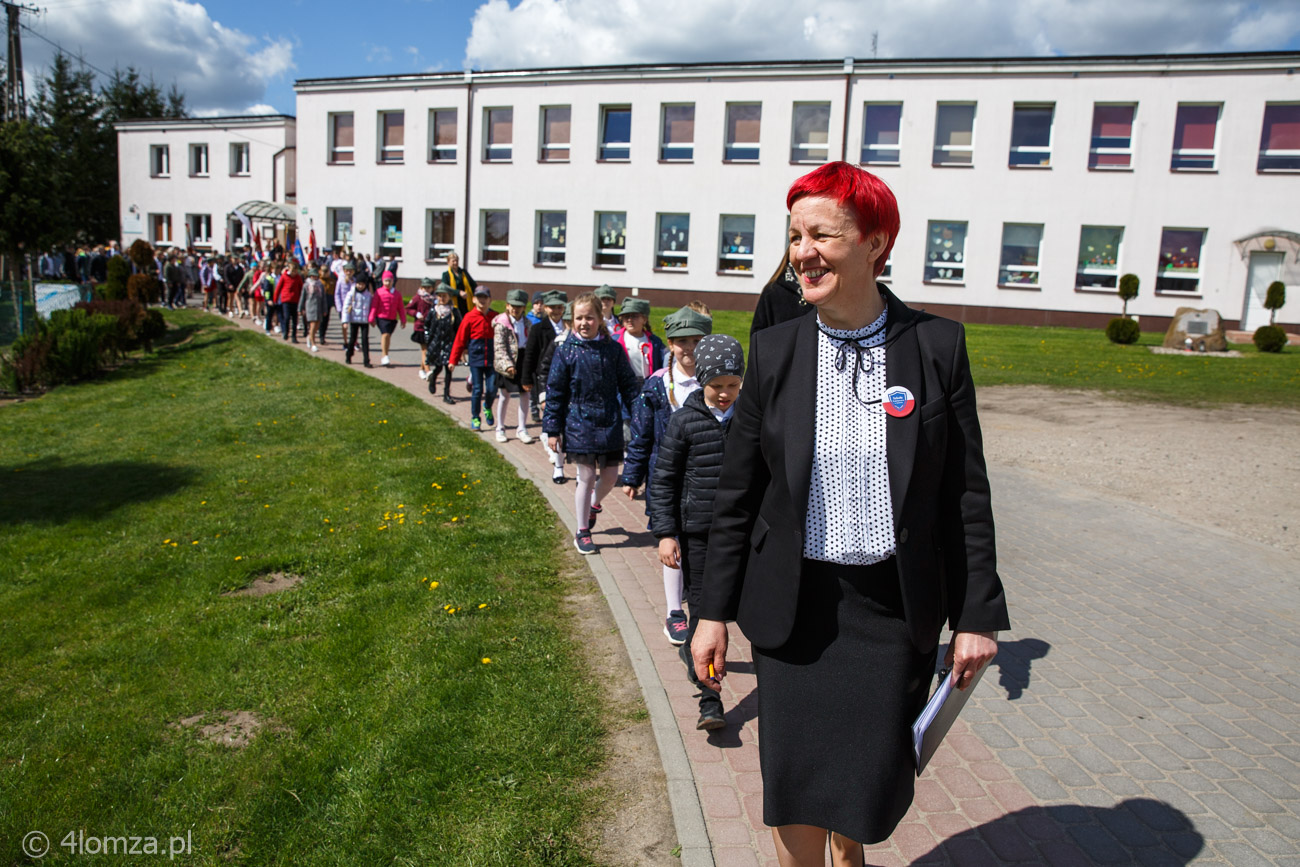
[(1145, 708)]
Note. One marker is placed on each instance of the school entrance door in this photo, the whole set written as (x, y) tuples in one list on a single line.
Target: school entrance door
[(1264, 269)]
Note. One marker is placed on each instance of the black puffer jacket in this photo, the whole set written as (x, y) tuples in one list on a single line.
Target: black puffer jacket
[(687, 470)]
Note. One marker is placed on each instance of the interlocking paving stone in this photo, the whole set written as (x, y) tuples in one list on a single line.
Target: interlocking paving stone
[(1154, 720)]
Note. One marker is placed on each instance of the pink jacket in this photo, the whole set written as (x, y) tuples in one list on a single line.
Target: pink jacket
[(387, 305)]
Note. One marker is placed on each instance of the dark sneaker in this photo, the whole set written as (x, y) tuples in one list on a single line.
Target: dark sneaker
[(711, 718), (487, 418), (676, 627), (684, 654), (582, 541), (593, 515), (447, 398)]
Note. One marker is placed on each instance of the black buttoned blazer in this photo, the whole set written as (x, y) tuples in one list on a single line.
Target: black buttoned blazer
[(943, 518)]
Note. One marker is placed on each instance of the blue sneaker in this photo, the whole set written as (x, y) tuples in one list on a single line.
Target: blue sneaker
[(475, 424), (676, 627), (582, 541), (487, 417)]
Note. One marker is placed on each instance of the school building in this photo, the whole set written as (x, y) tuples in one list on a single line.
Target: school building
[(1027, 185)]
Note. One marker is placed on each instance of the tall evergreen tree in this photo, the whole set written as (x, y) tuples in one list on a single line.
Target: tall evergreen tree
[(29, 217)]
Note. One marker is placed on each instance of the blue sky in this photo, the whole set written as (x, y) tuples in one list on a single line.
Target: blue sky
[(236, 56)]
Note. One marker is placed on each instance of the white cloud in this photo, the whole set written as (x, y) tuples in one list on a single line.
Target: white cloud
[(594, 32), (221, 70)]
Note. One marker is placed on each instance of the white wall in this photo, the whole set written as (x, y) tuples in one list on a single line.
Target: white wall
[(1232, 202)]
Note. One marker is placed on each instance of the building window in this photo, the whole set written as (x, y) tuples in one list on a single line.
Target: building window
[(199, 229), (1194, 135), (615, 133), (238, 239), (736, 245), (954, 134), (880, 128), (500, 135), (1099, 257), (1180, 260), (441, 233), (1031, 136), (1112, 137), (611, 239), (496, 237), (555, 133), (341, 138), (678, 138), (240, 164), (339, 225), (160, 161), (198, 160), (810, 133), (160, 229), (392, 136), (1020, 246), (743, 122), (945, 252), (674, 234), (442, 131), (389, 241), (1279, 142), (552, 231)]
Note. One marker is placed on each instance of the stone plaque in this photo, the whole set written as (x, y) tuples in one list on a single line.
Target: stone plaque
[(1204, 327)]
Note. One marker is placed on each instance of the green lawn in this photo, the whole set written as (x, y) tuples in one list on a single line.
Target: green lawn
[(1084, 358), (128, 506)]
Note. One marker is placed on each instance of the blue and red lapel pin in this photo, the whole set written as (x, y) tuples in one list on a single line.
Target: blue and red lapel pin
[(898, 401)]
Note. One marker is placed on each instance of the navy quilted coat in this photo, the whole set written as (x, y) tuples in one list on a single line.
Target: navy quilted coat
[(588, 379)]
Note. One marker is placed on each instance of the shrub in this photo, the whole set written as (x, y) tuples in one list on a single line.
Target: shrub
[(119, 271), (137, 326), (144, 288), (142, 255), (1270, 338), (1121, 329), (1128, 290), (1274, 299), (72, 345)]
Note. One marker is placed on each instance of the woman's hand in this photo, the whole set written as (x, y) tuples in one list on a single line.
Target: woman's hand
[(709, 645), (968, 652), (510, 372), (670, 553)]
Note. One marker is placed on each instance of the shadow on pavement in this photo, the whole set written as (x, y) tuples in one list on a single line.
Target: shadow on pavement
[(1014, 660), (1137, 831), (49, 491)]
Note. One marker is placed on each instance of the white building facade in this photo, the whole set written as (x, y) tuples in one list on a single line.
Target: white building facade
[(180, 180), (1027, 186)]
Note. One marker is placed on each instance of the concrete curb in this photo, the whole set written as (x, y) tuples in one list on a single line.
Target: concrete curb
[(683, 797)]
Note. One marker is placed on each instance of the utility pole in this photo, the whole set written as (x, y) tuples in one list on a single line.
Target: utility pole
[(15, 96)]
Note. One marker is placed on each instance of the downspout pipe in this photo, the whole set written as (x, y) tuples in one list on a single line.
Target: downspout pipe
[(469, 156), (848, 86)]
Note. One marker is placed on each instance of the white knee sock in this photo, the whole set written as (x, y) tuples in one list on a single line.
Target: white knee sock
[(523, 412), (503, 399), (582, 495), (672, 589)]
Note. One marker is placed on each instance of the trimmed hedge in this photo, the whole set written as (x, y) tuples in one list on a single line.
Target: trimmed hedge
[(137, 326), (73, 345), (1123, 330), (1270, 338)]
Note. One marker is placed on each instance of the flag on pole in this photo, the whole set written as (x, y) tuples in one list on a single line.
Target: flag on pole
[(297, 253), (311, 241), (248, 228)]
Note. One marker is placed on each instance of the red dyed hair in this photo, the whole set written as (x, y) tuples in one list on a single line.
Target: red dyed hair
[(867, 197)]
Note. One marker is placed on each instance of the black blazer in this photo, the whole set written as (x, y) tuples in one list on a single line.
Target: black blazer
[(943, 519)]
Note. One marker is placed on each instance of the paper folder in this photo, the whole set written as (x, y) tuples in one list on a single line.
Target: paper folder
[(938, 716)]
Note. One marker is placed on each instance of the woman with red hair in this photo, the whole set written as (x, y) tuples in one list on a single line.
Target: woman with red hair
[(852, 519)]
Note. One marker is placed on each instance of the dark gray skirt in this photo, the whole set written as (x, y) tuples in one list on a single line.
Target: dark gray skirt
[(836, 705)]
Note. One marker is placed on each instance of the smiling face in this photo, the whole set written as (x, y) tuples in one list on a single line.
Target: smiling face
[(453, 262), (388, 282), (516, 311), (721, 391), (633, 322), (683, 349), (555, 311), (836, 266), (482, 302), (586, 321)]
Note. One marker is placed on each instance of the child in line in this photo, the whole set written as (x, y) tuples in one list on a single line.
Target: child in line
[(342, 287), (510, 334), (589, 376), (607, 298), (477, 340), (418, 309), (540, 352), (644, 349), (663, 395), (385, 311), (311, 306), (685, 482), (440, 328), (355, 316)]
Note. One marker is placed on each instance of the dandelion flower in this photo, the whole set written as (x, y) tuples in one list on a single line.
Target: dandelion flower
[(165, 541), (195, 542), (482, 605), (487, 660), (240, 557)]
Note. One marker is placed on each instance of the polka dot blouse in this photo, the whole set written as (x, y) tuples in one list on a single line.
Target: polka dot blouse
[(850, 513)]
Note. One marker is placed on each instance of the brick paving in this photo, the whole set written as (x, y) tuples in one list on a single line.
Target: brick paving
[(1144, 709)]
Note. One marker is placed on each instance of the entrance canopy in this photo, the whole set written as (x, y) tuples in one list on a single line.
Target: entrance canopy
[(268, 212), (1269, 240)]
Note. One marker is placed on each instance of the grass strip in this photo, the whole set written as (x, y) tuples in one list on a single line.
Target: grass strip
[(131, 504)]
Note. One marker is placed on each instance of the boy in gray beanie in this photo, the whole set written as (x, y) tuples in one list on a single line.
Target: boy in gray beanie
[(685, 481)]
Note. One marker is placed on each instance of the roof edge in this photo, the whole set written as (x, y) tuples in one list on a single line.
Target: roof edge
[(225, 120)]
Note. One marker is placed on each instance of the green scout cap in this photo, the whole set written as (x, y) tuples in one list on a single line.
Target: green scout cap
[(568, 312), (555, 296), (634, 305), (606, 291), (426, 283), (687, 323), (517, 297)]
